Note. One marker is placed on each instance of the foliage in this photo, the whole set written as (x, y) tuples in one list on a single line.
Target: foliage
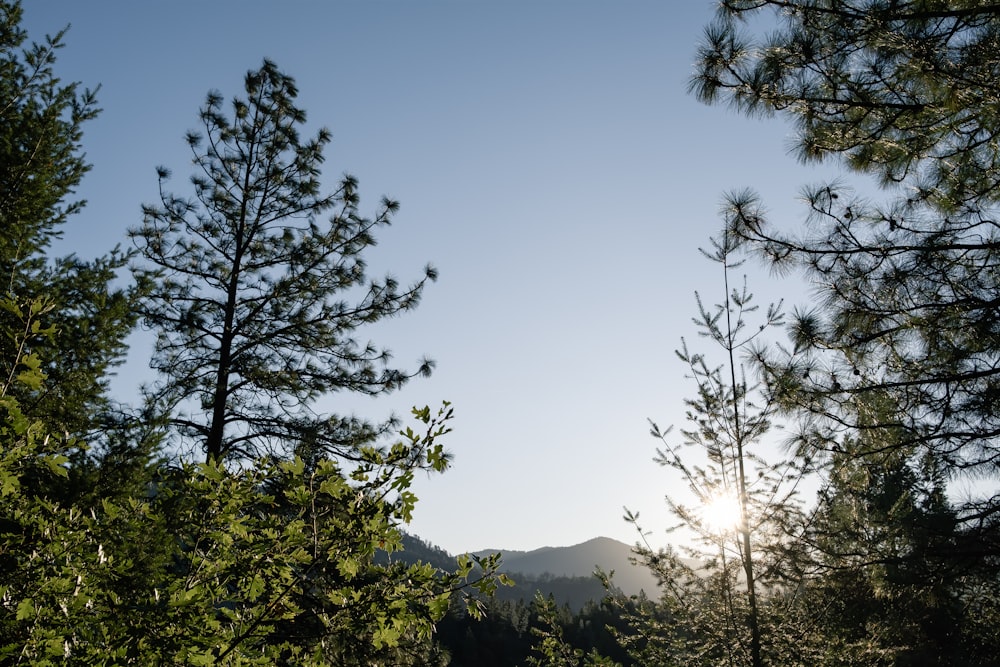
[(746, 514), (500, 637), (119, 558), (41, 164), (893, 378), (551, 646), (903, 89), (511, 632), (37, 585), (254, 299), (908, 286), (271, 563), (887, 566)]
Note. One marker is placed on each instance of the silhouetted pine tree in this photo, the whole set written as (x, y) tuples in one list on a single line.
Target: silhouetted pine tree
[(256, 286)]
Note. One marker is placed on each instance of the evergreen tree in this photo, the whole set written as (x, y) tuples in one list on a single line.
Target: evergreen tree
[(254, 298), (41, 165), (884, 561), (715, 603), (552, 649), (894, 378), (902, 90)]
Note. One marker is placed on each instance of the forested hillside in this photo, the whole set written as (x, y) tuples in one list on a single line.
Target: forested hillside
[(567, 574)]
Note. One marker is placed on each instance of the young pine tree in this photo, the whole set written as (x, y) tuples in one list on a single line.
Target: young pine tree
[(257, 285), (744, 508)]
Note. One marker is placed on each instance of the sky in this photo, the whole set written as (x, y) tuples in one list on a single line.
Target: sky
[(548, 161)]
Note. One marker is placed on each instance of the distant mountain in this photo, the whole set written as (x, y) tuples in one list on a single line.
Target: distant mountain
[(582, 560), (566, 573)]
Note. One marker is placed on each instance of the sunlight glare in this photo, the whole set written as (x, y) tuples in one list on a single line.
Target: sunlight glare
[(722, 512)]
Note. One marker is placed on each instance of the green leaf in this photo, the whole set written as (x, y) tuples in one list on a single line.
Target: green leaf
[(348, 568), (386, 636), (56, 465), (256, 587), (9, 483), (438, 607), (33, 377), (295, 467), (205, 657), (25, 609), (333, 486)]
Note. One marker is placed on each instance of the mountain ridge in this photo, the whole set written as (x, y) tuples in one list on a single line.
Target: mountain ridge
[(581, 560), (570, 569)]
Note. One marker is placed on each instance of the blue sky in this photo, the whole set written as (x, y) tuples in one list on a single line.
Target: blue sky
[(548, 161)]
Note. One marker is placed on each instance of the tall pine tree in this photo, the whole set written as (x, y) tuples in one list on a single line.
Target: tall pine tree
[(257, 285), (905, 91), (896, 380)]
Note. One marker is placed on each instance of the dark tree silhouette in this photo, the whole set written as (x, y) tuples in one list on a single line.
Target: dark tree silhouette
[(254, 297)]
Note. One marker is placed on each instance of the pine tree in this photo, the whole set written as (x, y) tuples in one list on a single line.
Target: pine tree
[(895, 378), (41, 165), (720, 599), (910, 282), (887, 573), (254, 297), (74, 300), (903, 89)]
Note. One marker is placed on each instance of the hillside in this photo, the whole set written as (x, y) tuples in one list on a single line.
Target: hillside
[(566, 573), (581, 560)]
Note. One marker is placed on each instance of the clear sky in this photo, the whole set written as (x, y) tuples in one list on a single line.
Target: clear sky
[(548, 161)]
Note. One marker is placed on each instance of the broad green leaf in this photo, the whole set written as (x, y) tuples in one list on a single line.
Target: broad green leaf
[(25, 609)]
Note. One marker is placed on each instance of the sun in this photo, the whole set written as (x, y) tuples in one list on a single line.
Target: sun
[(721, 512)]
